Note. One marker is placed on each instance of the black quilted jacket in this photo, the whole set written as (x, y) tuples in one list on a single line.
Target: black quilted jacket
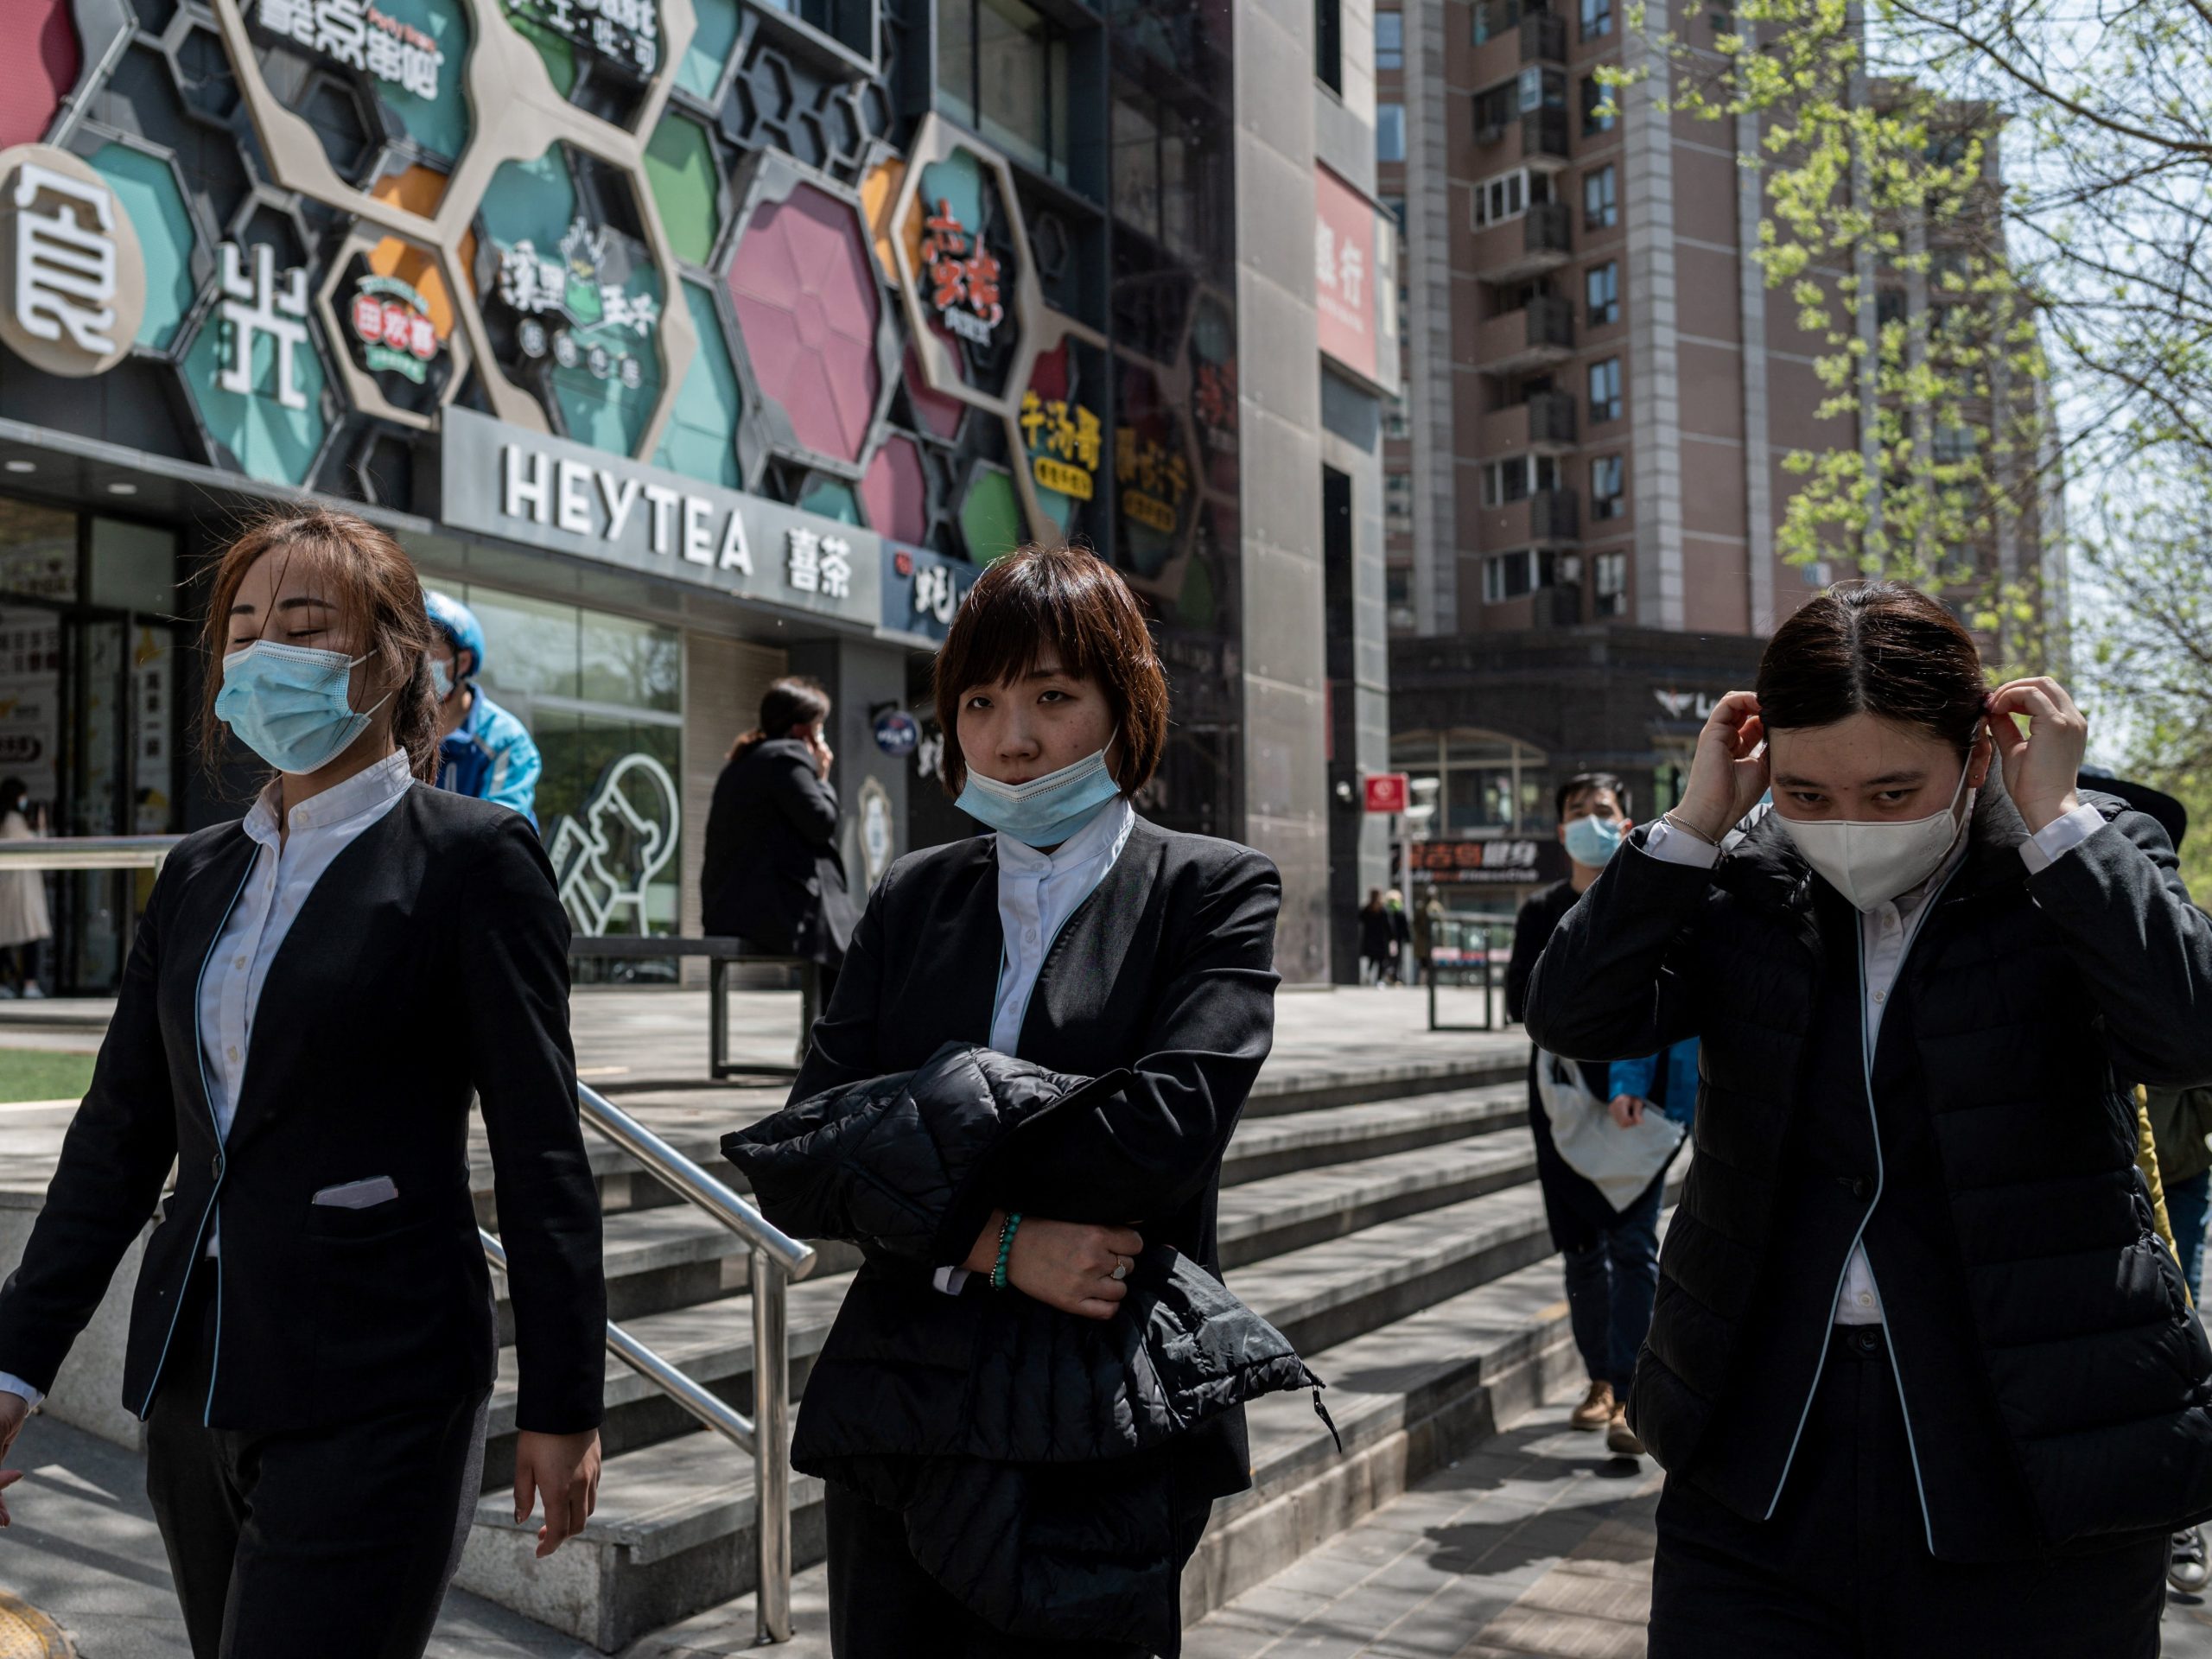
[(1018, 1441), (2060, 1388)]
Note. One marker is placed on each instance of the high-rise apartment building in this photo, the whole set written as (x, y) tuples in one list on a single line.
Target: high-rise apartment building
[(1586, 474)]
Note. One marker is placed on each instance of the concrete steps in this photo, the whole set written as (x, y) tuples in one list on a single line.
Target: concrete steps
[(1398, 1239)]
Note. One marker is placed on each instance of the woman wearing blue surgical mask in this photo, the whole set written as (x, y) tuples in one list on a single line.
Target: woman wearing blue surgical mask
[(1075, 934), (1923, 1378), (313, 998)]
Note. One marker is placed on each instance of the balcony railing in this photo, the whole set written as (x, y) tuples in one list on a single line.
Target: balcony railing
[(1551, 416), (1543, 242), (1543, 133), (1555, 516), (1543, 38)]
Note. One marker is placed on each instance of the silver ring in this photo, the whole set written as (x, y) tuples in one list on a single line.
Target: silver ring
[(1121, 1269)]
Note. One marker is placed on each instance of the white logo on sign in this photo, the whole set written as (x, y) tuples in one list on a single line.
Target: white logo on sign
[(1679, 703), (254, 304), (603, 866), (65, 267), (933, 594)]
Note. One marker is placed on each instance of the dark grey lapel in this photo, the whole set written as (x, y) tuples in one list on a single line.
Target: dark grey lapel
[(1076, 989), (200, 914)]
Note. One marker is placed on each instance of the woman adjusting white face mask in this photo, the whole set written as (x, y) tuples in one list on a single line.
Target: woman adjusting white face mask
[(1869, 862)]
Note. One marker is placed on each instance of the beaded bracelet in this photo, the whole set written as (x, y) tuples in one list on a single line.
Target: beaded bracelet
[(1006, 1230)]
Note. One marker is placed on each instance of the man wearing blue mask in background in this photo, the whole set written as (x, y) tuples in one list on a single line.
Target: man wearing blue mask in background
[(483, 750), (1611, 1255)]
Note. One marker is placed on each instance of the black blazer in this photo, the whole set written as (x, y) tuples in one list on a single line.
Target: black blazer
[(429, 962), (1167, 969), (771, 873)]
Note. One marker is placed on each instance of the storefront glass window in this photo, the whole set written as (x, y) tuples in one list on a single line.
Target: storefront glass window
[(603, 697), (38, 551), (1003, 71)]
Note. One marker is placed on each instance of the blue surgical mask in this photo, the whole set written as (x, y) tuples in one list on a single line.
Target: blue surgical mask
[(1044, 811), (1592, 841), (291, 706), (441, 676)]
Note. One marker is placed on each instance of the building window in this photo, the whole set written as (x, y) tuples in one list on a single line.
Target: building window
[(1002, 70), (1398, 500), (1329, 44), (1502, 198), (1494, 18), (1597, 18), (1609, 573), (1605, 391), (1516, 477), (1398, 596), (1512, 576), (1541, 89), (1601, 285), (1600, 202), (1605, 499), (1389, 132), (1161, 176), (1954, 443), (1389, 40), (1394, 424), (1597, 107)]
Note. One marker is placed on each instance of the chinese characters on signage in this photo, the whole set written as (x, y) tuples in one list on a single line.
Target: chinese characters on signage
[(1485, 862), (627, 32), (961, 277), (580, 291), (922, 590), (391, 319), (1345, 291), (76, 276), (1153, 479), (1064, 444), (357, 34), (256, 304), (815, 563)]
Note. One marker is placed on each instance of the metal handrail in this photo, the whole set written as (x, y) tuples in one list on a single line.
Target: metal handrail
[(87, 852), (687, 1180), (777, 1261)]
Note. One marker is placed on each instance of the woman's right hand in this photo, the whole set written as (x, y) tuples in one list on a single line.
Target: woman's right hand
[(1729, 772), (15, 1410), (1064, 1264)]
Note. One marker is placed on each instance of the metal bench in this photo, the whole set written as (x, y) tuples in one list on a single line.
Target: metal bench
[(723, 953)]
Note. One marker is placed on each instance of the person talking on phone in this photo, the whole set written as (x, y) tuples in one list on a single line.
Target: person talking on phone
[(312, 999), (1922, 1375)]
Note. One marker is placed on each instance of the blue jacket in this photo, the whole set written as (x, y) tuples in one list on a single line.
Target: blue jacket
[(1639, 1078), (489, 755)]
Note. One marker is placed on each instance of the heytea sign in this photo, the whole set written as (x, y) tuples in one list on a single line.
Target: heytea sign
[(524, 486)]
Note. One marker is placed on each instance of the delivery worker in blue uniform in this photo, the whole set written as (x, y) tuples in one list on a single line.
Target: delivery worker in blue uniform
[(483, 750)]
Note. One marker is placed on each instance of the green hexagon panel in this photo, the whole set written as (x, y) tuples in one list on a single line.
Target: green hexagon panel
[(573, 305), (701, 441), (680, 168), (253, 374), (990, 514), (147, 190)]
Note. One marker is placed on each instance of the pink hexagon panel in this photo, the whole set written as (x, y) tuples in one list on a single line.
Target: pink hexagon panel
[(808, 302), (39, 69)]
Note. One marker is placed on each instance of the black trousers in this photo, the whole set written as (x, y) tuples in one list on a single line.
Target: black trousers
[(337, 1543), (882, 1605), (1843, 1571)]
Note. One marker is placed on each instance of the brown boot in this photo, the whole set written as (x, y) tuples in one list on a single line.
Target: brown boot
[(1596, 1409), (1620, 1440)]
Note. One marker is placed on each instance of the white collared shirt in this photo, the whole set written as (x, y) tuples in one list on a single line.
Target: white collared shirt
[(1887, 931), (1038, 892), (276, 888)]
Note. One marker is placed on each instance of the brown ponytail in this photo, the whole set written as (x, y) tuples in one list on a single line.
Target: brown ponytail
[(792, 700), (379, 594)]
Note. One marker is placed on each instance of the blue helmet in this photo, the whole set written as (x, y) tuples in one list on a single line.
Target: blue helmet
[(458, 624)]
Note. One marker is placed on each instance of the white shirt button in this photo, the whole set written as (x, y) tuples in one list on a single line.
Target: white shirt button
[(1866, 1299), (1029, 938), (1879, 995), (240, 963), (234, 1053)]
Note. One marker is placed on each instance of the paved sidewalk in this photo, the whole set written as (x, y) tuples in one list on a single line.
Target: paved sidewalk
[(1536, 1546)]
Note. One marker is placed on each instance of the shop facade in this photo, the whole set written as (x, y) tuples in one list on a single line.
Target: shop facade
[(567, 293), (1487, 727)]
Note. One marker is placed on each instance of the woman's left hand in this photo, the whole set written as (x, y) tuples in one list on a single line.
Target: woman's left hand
[(563, 1469), (1628, 1110), (2041, 766)]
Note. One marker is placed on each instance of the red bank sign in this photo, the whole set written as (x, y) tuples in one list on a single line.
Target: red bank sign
[(1386, 792), (1345, 275)]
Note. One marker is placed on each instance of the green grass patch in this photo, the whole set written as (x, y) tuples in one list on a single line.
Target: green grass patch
[(43, 1074)]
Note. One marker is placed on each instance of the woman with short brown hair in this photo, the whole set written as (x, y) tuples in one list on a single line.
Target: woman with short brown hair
[(1128, 970), (313, 998)]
